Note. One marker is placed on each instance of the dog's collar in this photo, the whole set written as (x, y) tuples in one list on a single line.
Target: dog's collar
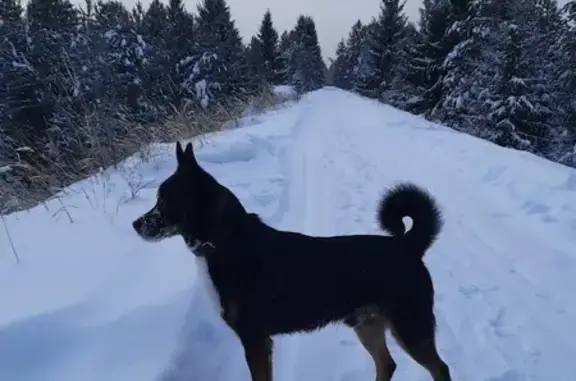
[(203, 249)]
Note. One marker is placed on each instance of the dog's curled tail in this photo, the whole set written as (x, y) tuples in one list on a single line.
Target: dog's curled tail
[(409, 200)]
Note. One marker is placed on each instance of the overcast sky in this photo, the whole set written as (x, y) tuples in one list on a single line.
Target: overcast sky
[(333, 17)]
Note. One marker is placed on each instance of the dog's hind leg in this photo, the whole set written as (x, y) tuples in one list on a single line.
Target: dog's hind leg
[(372, 335), (419, 342)]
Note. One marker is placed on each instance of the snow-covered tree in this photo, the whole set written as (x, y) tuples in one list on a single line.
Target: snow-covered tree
[(308, 68), (339, 69), (273, 65), (219, 69), (426, 65), (385, 41)]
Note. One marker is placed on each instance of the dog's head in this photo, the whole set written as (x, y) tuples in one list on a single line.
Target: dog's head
[(188, 203)]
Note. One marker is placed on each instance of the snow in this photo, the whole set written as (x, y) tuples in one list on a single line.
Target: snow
[(284, 90), (202, 93), (90, 301)]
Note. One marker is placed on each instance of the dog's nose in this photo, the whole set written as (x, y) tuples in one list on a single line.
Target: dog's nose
[(137, 224)]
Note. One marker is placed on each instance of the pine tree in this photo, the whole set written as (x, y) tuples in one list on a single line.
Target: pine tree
[(566, 150), (219, 70), (53, 29), (429, 55), (154, 22), (20, 112), (285, 49), (181, 44), (268, 39), (308, 68), (339, 69), (111, 14), (255, 60), (123, 56), (384, 43), (354, 43), (401, 92), (363, 74), (138, 15), (544, 29), (386, 34), (522, 105), (10, 10), (53, 15), (465, 67)]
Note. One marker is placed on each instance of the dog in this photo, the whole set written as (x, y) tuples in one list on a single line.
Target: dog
[(272, 282)]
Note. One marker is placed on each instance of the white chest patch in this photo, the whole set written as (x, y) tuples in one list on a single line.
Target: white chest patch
[(205, 282)]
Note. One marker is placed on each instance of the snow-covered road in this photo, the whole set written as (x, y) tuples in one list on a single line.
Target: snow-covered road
[(92, 302)]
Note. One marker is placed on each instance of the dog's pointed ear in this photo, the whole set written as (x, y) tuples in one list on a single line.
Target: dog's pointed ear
[(179, 153), (186, 157), (189, 154)]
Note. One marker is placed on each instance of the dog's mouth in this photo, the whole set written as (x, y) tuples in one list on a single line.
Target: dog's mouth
[(151, 232)]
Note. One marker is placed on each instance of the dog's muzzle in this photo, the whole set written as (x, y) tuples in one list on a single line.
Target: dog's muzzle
[(152, 227)]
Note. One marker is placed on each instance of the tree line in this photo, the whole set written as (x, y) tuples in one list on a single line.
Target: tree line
[(502, 70), (75, 81)]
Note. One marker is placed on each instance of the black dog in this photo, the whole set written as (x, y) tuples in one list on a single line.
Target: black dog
[(274, 282)]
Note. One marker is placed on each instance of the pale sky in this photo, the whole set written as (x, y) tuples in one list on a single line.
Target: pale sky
[(333, 18)]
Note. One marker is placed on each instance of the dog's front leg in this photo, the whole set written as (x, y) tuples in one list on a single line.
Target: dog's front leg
[(257, 345), (258, 352)]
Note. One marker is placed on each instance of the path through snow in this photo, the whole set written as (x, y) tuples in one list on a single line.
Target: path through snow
[(113, 308)]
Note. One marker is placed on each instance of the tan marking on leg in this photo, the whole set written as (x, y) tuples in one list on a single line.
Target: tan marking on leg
[(426, 354), (230, 314), (259, 359), (372, 335)]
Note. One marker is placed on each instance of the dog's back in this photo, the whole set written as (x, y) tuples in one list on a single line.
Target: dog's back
[(295, 282)]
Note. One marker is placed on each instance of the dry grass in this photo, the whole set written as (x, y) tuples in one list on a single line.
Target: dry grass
[(33, 177)]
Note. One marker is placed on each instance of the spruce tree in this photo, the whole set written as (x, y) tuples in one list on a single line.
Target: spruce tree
[(123, 58), (356, 38), (566, 150), (111, 15), (270, 51), (154, 22), (426, 65), (255, 60), (520, 105), (401, 92), (181, 45), (285, 48), (364, 69), (339, 69), (20, 111), (53, 29), (219, 69), (387, 34), (465, 67), (154, 30), (308, 68), (138, 15), (10, 10)]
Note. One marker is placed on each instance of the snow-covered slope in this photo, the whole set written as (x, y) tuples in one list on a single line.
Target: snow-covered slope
[(92, 302)]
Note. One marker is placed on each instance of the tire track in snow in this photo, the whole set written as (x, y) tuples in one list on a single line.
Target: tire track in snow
[(294, 215)]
